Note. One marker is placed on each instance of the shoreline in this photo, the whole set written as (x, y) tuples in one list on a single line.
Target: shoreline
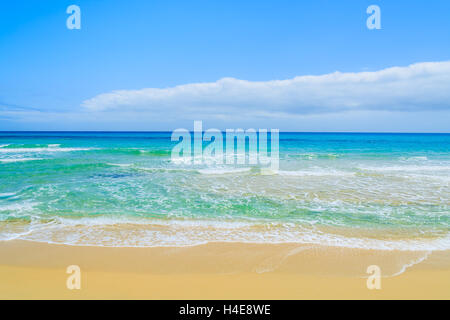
[(34, 270)]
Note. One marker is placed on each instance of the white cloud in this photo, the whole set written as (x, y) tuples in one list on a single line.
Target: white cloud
[(418, 87)]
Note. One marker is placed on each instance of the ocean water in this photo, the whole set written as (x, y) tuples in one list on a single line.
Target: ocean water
[(375, 191)]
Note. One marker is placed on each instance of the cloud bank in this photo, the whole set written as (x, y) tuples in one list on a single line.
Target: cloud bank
[(415, 88)]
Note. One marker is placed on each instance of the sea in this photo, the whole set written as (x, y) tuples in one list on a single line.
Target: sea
[(376, 191)]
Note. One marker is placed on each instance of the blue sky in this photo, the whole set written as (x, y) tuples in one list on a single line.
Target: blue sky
[(122, 69)]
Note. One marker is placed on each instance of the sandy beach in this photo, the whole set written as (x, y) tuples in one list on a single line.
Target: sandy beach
[(31, 270)]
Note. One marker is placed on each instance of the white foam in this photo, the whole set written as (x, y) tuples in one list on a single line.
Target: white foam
[(318, 173), (148, 169), (19, 160), (408, 168), (420, 158), (124, 165), (135, 232), (43, 150), (220, 171), (5, 195), (18, 207), (412, 263)]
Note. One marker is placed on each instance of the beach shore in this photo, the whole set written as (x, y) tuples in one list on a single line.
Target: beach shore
[(30, 270)]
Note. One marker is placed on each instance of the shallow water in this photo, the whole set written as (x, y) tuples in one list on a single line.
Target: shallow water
[(378, 191)]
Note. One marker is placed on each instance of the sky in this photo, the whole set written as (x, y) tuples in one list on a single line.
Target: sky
[(286, 64)]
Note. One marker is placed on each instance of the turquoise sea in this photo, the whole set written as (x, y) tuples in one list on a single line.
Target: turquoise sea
[(377, 191)]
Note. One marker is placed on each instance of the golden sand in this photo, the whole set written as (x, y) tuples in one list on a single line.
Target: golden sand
[(219, 271)]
